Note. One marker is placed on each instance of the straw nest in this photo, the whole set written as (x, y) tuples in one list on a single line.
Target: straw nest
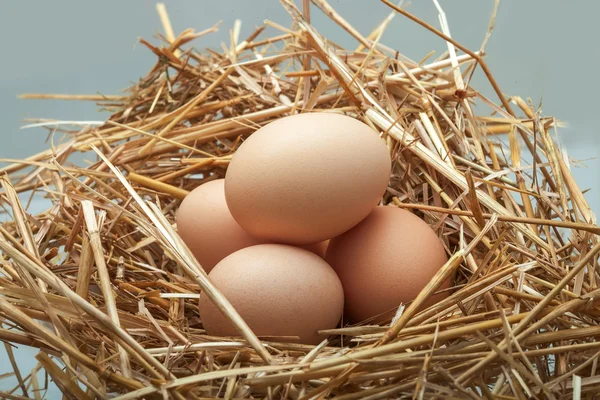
[(104, 287)]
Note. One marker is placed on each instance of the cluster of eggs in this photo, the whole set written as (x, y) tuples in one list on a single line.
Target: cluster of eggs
[(294, 237)]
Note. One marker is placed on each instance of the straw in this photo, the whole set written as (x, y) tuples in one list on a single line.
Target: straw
[(105, 290)]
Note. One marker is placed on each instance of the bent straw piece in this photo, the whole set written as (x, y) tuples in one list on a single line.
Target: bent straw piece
[(85, 269), (207, 376), (161, 9), (473, 202), (78, 97), (435, 66), (458, 79), (157, 185), (198, 165), (581, 226), (105, 285)]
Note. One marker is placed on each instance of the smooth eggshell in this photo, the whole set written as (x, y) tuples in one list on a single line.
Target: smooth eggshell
[(279, 290), (384, 261), (207, 227), (307, 177)]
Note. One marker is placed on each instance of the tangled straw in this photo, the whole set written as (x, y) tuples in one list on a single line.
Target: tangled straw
[(103, 286)]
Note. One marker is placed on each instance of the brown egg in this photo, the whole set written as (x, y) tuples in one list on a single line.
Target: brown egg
[(207, 227), (319, 248), (279, 290), (384, 261), (307, 178)]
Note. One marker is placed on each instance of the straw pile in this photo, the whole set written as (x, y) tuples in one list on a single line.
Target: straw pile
[(104, 287)]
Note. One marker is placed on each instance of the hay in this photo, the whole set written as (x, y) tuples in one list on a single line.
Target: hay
[(104, 287)]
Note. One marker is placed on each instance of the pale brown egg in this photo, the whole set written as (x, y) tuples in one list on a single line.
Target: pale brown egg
[(385, 261), (207, 227), (284, 293), (307, 178)]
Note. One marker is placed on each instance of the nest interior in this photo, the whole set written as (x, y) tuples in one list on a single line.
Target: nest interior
[(103, 286)]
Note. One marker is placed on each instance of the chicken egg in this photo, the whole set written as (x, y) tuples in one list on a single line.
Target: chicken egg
[(385, 261), (307, 177), (282, 292), (207, 227)]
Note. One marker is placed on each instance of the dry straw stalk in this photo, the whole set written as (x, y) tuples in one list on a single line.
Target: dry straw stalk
[(106, 290)]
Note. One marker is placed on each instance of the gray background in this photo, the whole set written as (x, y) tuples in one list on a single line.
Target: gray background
[(540, 49)]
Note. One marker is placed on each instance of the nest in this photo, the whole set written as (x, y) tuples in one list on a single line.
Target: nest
[(104, 287)]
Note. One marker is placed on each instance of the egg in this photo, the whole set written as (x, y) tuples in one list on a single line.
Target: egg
[(207, 227), (282, 292), (319, 248), (307, 177), (385, 261)]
